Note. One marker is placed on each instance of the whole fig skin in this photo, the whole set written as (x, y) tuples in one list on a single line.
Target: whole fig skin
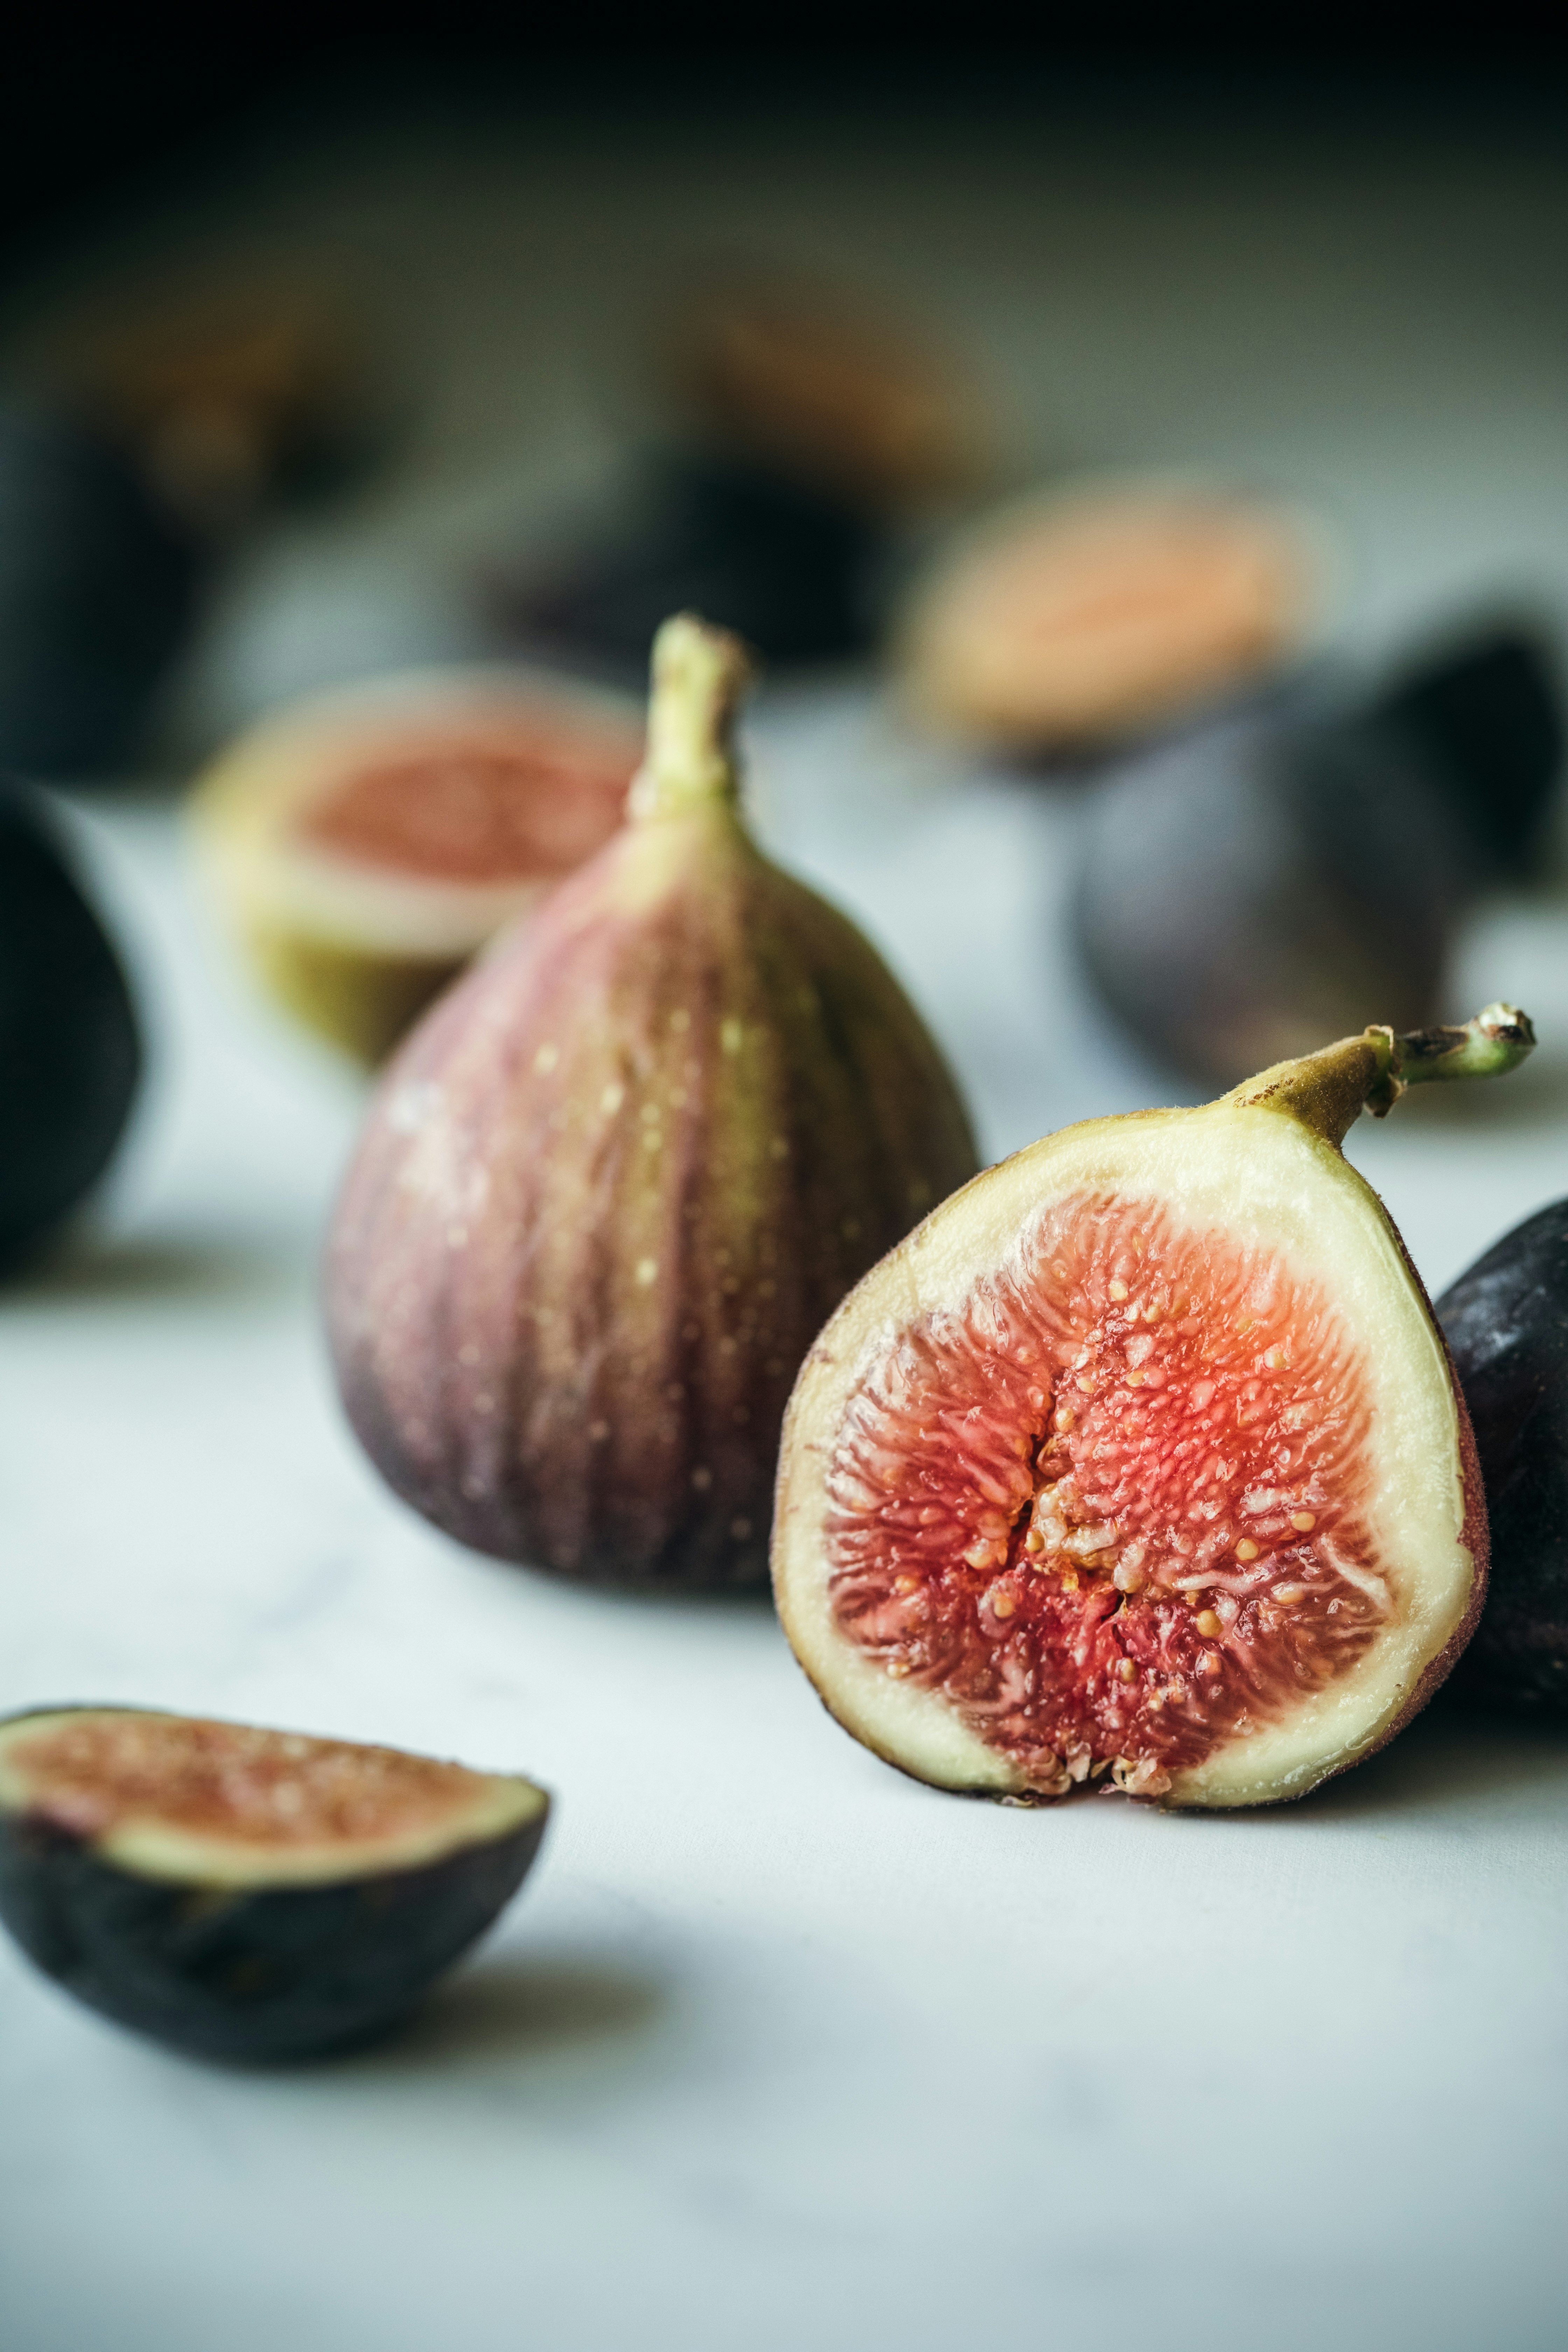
[(70, 1047), (611, 1187), (1506, 1321)]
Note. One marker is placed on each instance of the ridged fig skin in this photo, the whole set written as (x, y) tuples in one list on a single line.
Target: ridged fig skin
[(606, 1196), (1506, 1323)]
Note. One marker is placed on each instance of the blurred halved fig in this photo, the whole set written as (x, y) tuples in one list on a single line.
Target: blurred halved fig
[(70, 1053), (365, 845), (98, 584), (1075, 621), (226, 394), (608, 1190), (247, 1893), (1143, 1456), (1291, 869), (825, 387), (1506, 1323)]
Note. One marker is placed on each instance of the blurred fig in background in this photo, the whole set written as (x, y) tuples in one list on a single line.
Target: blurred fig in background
[(233, 396), (1506, 1321), (802, 429), (613, 1184), (1277, 875), (821, 387), (1068, 622), (71, 1054), (99, 582), (365, 845)]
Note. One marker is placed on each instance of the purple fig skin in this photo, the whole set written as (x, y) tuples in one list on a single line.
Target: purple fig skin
[(606, 1196)]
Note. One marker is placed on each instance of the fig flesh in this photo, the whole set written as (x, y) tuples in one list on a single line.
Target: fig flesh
[(609, 1189), (1506, 1323), (1282, 872), (365, 846), (71, 1054), (1143, 1456), (247, 1893), (1074, 622)]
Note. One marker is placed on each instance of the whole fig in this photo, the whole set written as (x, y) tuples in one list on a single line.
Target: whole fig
[(612, 1186)]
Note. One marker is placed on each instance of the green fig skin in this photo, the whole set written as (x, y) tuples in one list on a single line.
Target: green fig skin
[(606, 1196)]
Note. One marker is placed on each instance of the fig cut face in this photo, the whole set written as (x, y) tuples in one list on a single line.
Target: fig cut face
[(1142, 1457), (244, 1893)]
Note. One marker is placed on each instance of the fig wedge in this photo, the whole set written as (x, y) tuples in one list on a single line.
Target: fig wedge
[(245, 1893)]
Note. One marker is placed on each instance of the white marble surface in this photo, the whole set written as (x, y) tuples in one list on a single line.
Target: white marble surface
[(777, 2049)]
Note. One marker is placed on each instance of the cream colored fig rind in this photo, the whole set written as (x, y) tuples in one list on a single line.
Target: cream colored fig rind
[(1267, 1180), (496, 1805)]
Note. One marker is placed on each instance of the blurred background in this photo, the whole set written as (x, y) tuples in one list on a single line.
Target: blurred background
[(422, 359)]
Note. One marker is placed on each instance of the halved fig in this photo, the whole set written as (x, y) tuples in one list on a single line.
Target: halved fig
[(1143, 1455), (366, 843), (1071, 621), (247, 1893)]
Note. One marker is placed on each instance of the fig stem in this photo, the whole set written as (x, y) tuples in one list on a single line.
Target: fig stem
[(700, 675), (1328, 1091)]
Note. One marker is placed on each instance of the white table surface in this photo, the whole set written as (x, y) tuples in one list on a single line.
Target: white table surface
[(778, 2049)]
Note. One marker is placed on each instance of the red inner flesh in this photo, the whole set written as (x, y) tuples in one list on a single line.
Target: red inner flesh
[(228, 1781), (1077, 1509), (469, 811)]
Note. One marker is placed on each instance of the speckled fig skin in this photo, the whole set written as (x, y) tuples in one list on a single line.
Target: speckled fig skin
[(613, 1186)]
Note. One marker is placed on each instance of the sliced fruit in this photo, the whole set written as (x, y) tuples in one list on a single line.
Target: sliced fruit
[(1143, 1456), (1074, 621), (1506, 1323), (612, 1186), (365, 846), (247, 1893), (70, 1054)]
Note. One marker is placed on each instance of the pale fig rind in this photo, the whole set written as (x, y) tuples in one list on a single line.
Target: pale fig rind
[(1264, 1169), (608, 1192)]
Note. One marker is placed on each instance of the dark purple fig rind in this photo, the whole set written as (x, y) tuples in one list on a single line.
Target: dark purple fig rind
[(571, 1345), (263, 1976), (1506, 1320), (70, 1050)]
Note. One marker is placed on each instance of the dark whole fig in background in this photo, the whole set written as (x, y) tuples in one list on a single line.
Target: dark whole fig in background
[(1506, 1323), (1282, 872), (1143, 1456), (70, 1054), (784, 563), (98, 590), (612, 1186), (245, 1894)]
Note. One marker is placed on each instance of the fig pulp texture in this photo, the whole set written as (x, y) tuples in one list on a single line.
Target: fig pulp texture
[(247, 1893), (70, 1054), (1283, 873), (1506, 1323), (608, 1190), (1143, 1456), (364, 845)]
